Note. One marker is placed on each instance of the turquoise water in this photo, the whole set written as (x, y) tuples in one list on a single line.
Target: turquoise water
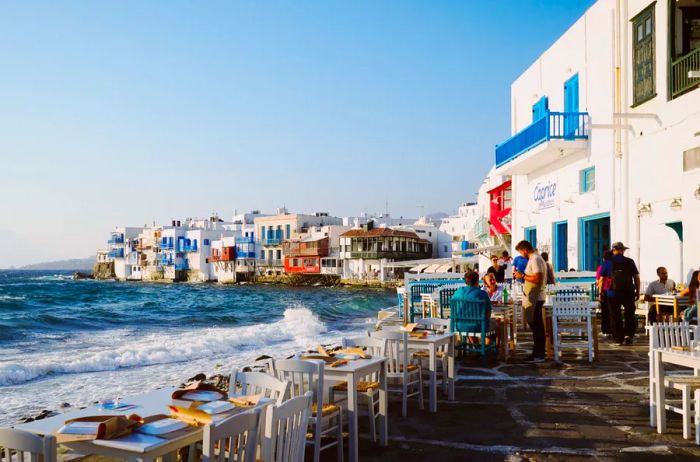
[(65, 341)]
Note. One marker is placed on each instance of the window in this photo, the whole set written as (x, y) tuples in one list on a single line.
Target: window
[(205, 242), (540, 109), (587, 180), (288, 232), (262, 254), (643, 55), (691, 159), (262, 232), (531, 236), (279, 254)]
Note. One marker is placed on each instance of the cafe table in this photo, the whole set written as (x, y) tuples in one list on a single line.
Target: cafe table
[(505, 315), (352, 372), (433, 343), (662, 356), (676, 301), (127, 448)]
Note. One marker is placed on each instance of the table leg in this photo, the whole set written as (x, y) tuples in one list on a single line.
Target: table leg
[(660, 392), (548, 333), (351, 412), (383, 412), (432, 372), (451, 369), (595, 338)]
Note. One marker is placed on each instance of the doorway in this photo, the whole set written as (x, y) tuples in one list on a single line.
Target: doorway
[(594, 239), (561, 245)]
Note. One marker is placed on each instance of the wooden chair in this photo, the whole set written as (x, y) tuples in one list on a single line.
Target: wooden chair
[(366, 389), (285, 429), (436, 324), (445, 294), (232, 440), (399, 369), (326, 418), (253, 383), (668, 335), (16, 445), (572, 313)]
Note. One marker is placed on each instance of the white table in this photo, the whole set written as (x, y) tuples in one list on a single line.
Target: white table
[(666, 355), (147, 404), (352, 373), (432, 343)]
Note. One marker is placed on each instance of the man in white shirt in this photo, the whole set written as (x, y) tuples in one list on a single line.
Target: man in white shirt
[(663, 285), (534, 296)]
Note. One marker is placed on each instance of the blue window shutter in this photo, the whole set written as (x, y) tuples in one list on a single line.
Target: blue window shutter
[(540, 108)]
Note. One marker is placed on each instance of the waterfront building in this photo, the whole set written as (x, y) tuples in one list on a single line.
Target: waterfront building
[(459, 227), (605, 143), (365, 251), (233, 258), (148, 249), (440, 241), (315, 252), (121, 246), (272, 231)]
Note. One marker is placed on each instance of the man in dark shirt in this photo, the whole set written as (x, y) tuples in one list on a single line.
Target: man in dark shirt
[(623, 292), (497, 270)]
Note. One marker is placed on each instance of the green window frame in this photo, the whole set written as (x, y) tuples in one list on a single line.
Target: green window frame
[(643, 55), (587, 180)]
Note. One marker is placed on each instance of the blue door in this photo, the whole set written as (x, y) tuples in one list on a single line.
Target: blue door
[(595, 239), (531, 236), (571, 107), (561, 245), (540, 109)]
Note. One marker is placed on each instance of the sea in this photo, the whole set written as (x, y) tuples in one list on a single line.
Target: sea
[(68, 343)]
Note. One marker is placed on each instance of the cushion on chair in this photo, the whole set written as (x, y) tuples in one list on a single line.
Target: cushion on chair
[(425, 354), (361, 386), (328, 409), (410, 368)]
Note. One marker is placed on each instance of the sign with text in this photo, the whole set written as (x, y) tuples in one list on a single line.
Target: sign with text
[(544, 195)]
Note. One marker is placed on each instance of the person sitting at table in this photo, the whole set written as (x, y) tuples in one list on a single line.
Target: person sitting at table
[(497, 270), (662, 286), (493, 290), (472, 292)]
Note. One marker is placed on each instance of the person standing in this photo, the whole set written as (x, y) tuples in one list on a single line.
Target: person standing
[(603, 286), (507, 263), (497, 270), (534, 295), (662, 286), (550, 268), (623, 292)]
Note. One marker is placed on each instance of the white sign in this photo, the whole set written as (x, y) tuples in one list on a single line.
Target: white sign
[(545, 194)]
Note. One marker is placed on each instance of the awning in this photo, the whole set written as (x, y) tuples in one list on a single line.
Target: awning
[(418, 268), (432, 268), (677, 226), (444, 269)]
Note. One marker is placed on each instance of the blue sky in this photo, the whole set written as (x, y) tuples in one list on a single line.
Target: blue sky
[(128, 112)]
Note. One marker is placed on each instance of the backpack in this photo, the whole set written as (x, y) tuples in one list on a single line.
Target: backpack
[(621, 277)]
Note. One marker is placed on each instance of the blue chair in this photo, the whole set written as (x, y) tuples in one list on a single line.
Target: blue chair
[(445, 295), (469, 317), (415, 297)]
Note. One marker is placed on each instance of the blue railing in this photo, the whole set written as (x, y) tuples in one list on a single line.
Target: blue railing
[(167, 245), (554, 125), (116, 239), (182, 266), (240, 254), (272, 241), (190, 248), (116, 253), (245, 240), (166, 260)]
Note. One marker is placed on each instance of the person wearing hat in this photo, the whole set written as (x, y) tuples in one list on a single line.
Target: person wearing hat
[(623, 292)]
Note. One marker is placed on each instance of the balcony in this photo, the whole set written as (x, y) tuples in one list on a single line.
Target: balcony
[(272, 241), (116, 253), (546, 140), (166, 260), (116, 239), (166, 245), (182, 266), (244, 240), (190, 248), (680, 68), (271, 262), (391, 255)]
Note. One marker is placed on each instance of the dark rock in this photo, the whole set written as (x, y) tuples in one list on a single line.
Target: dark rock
[(197, 378), (81, 275)]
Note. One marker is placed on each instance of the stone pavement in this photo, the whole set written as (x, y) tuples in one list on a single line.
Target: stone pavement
[(513, 411)]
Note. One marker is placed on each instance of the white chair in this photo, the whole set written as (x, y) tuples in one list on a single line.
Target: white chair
[(253, 383), (17, 444), (572, 313), (326, 418), (366, 389), (668, 335), (400, 370), (285, 429), (436, 324), (232, 440)]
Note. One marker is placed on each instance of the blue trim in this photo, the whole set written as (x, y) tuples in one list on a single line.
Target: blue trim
[(530, 234), (558, 262), (540, 108)]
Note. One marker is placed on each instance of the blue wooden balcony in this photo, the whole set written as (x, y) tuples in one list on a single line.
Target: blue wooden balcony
[(116, 239), (190, 247), (182, 266), (553, 125), (116, 253), (272, 241), (245, 240), (167, 245)]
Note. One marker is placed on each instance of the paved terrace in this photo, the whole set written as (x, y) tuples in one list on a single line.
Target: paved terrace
[(542, 412), (517, 411)]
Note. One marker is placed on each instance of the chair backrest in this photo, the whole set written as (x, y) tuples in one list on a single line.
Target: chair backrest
[(434, 323), (670, 334), (468, 315), (303, 376), (237, 435), (26, 447), (573, 304), (445, 294), (374, 346), (253, 383), (285, 430), (396, 351)]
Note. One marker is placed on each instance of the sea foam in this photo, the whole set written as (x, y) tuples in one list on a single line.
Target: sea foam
[(112, 350)]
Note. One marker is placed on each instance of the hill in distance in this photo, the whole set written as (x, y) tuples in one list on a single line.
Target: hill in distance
[(74, 264)]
